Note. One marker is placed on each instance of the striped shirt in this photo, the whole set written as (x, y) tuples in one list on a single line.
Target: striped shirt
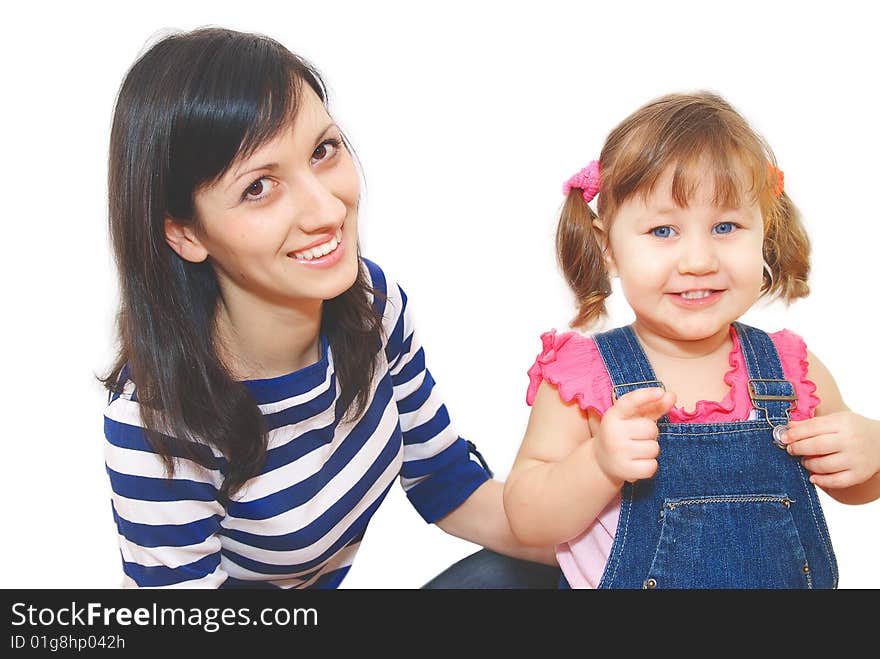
[(299, 522)]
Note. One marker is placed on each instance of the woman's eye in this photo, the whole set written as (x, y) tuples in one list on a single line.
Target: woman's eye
[(665, 231), (257, 190), (326, 150), (724, 227)]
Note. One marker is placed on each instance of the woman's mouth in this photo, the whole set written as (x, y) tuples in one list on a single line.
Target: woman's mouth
[(324, 253)]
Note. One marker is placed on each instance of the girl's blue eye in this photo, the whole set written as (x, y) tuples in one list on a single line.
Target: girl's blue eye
[(724, 227), (663, 232)]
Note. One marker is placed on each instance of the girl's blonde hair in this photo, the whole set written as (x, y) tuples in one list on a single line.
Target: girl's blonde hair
[(694, 133)]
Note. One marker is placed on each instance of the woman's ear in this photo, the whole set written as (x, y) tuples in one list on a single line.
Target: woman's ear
[(184, 241), (601, 233)]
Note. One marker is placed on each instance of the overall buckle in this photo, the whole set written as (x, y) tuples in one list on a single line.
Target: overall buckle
[(614, 388), (764, 396), (754, 395)]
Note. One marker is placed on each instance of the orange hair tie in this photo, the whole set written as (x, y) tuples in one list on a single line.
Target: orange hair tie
[(780, 179)]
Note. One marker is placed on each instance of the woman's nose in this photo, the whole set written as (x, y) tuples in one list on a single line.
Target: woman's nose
[(317, 207)]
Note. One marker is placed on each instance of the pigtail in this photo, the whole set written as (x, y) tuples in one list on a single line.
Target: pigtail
[(699, 135), (580, 257), (786, 252)]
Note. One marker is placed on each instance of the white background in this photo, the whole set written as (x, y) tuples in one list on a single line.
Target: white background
[(467, 118)]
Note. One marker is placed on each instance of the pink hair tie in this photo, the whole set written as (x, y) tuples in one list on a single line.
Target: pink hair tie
[(587, 180)]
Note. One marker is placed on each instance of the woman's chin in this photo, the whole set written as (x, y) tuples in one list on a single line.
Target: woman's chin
[(339, 280)]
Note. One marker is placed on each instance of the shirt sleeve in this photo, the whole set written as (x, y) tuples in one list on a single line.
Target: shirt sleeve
[(571, 363), (167, 527), (796, 366), (438, 474)]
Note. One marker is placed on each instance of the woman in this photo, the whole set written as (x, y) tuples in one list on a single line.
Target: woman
[(269, 387)]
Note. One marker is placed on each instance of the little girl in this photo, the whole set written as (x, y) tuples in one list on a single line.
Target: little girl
[(683, 451)]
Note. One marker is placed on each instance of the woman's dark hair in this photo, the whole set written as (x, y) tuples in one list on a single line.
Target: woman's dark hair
[(190, 107)]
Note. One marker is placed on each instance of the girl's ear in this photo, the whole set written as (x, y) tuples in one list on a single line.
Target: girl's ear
[(184, 241), (601, 234)]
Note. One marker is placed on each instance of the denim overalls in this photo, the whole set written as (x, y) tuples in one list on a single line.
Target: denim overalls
[(727, 508)]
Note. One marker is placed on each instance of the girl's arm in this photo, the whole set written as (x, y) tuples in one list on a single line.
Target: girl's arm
[(840, 448), (565, 475), (555, 488)]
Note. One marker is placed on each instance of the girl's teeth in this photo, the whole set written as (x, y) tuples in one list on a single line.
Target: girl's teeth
[(695, 295)]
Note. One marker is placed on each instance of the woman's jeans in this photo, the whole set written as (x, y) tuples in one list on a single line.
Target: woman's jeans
[(486, 569)]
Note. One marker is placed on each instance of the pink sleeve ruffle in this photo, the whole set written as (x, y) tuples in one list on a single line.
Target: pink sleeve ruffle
[(571, 362), (793, 355)]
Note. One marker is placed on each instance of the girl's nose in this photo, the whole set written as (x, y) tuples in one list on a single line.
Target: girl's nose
[(317, 207), (697, 257)]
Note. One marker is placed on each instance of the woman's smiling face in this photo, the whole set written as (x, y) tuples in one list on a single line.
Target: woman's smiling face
[(280, 226)]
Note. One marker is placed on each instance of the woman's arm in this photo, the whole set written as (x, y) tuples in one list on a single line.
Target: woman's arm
[(481, 519), (442, 482), (167, 528), (840, 448)]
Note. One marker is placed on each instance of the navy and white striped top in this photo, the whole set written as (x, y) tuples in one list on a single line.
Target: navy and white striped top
[(299, 522)]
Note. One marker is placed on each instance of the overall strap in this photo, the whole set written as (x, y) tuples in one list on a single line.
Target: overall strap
[(626, 362), (769, 390)]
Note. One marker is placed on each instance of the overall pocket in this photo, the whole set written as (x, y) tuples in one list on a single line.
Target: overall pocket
[(729, 541)]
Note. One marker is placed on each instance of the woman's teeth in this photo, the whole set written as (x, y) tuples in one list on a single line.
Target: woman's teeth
[(320, 250), (695, 295)]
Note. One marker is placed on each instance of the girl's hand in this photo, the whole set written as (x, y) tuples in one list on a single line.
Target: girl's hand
[(840, 449), (626, 446)]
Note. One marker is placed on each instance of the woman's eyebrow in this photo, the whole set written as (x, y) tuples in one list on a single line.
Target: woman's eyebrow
[(320, 137), (269, 165)]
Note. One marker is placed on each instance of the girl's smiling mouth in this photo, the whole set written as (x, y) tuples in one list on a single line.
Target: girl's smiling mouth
[(697, 297)]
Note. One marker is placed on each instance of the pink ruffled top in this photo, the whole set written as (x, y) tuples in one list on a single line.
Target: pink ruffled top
[(571, 362)]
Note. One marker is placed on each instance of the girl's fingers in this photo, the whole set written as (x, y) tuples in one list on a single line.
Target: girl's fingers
[(655, 409), (826, 464), (815, 445), (834, 481), (643, 469), (645, 449), (642, 429), (629, 406), (818, 425)]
